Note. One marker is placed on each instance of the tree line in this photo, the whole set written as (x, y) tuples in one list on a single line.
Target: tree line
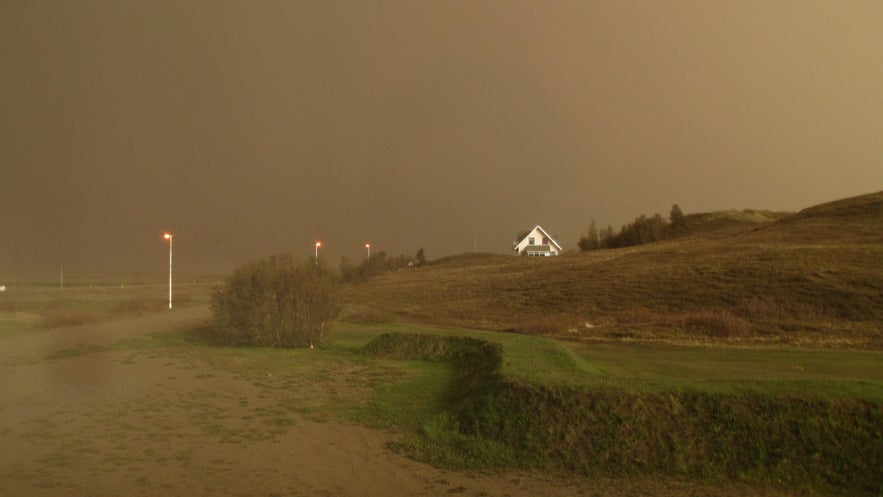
[(639, 232)]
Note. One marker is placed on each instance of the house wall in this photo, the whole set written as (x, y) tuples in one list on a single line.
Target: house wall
[(538, 235)]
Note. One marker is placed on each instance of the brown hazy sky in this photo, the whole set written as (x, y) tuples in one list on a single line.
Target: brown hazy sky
[(251, 128)]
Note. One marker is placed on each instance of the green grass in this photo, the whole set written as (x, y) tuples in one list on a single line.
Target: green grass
[(812, 372), (775, 371), (759, 426)]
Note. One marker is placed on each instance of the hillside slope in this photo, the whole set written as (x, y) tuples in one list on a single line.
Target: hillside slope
[(815, 275)]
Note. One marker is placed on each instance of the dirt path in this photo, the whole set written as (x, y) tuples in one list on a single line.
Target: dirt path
[(141, 422)]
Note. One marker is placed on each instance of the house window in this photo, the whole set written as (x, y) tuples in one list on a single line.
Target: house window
[(531, 240), (545, 241)]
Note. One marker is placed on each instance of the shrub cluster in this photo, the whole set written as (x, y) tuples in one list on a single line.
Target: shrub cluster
[(705, 435), (278, 301)]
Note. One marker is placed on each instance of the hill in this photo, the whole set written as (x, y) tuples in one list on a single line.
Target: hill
[(814, 276)]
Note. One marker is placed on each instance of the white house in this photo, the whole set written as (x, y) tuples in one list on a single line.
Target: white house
[(537, 243)]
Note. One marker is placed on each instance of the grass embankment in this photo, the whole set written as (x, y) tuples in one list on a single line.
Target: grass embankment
[(810, 278), (572, 421)]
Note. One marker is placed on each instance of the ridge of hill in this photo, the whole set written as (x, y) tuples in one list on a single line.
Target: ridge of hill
[(810, 277), (722, 222)]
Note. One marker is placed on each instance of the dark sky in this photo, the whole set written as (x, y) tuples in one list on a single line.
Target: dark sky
[(251, 128)]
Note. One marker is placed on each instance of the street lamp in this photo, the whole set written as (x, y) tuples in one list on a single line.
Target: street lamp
[(168, 236), (368, 246), (318, 244)]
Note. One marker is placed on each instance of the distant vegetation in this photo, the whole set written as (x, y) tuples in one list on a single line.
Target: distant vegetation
[(640, 231), (278, 301), (377, 264)]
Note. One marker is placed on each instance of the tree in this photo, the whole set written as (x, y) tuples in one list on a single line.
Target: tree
[(277, 302), (421, 257), (591, 240), (606, 237), (676, 217)]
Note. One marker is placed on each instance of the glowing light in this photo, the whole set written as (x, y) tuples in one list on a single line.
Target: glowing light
[(168, 236)]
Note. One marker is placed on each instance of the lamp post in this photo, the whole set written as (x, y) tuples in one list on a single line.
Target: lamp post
[(168, 236), (368, 246), (318, 244)]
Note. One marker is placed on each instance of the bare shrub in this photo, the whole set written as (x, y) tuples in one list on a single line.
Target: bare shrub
[(368, 315), (635, 315), (717, 323), (771, 308), (277, 302), (551, 324), (67, 317), (142, 305)]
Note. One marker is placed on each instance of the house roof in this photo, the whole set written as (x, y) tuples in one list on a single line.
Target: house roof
[(538, 248), (546, 234)]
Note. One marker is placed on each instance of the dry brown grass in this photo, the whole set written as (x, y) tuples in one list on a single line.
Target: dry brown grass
[(68, 317), (816, 272)]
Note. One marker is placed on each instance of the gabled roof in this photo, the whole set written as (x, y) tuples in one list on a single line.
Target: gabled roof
[(546, 234)]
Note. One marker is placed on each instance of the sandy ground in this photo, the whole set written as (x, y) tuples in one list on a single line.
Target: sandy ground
[(139, 422)]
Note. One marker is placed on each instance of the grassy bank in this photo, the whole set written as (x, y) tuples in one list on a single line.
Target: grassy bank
[(755, 427)]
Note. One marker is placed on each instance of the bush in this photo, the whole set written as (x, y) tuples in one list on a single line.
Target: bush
[(276, 302), (735, 436)]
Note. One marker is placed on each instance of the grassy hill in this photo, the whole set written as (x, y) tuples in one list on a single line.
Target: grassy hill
[(811, 277)]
